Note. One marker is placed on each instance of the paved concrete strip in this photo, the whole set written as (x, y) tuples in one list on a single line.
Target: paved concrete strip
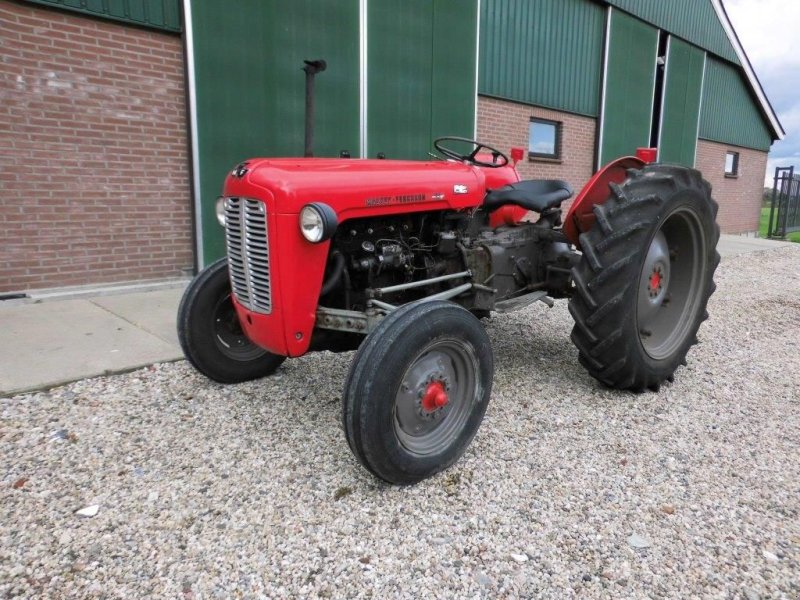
[(733, 245), (47, 344), (155, 312)]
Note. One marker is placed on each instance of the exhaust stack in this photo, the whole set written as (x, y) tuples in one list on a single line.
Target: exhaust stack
[(312, 68)]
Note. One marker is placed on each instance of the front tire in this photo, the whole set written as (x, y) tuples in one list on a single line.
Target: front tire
[(211, 336), (644, 279), (417, 391)]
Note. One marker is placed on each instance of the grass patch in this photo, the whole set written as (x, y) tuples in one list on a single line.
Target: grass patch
[(764, 225)]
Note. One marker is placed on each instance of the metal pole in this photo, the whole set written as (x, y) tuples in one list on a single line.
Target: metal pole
[(783, 211), (415, 284), (772, 206), (312, 68), (383, 305), (447, 294)]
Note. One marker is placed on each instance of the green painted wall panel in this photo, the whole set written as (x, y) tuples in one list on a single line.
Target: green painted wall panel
[(251, 87), (628, 107), (453, 77), (157, 14), (730, 113), (693, 20), (400, 77), (543, 52), (421, 79), (681, 103)]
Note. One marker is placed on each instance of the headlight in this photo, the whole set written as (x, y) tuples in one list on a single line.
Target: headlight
[(317, 222), (220, 209)]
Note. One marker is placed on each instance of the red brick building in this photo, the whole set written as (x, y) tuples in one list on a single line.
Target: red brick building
[(94, 156)]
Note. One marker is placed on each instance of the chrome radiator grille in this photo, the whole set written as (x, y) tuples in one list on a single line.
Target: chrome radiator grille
[(248, 253)]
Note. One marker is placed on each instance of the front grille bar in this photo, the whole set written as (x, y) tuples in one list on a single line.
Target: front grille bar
[(247, 242)]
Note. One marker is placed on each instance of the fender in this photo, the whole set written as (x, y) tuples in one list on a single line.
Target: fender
[(580, 216)]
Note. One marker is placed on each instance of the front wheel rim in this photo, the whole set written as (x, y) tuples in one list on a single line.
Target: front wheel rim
[(229, 337), (436, 397), (670, 288)]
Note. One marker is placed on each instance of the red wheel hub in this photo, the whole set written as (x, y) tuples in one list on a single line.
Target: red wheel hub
[(655, 280), (435, 396)]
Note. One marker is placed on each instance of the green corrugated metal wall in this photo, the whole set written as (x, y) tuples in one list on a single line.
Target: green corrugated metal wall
[(400, 77), (730, 114), (421, 77), (681, 103), (158, 14), (693, 20), (546, 52), (454, 75), (251, 87), (628, 108), (549, 53)]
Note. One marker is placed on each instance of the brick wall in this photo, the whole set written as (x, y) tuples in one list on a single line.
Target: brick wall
[(93, 151), (505, 125), (740, 198)]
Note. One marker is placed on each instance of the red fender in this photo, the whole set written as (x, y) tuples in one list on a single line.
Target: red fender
[(580, 217)]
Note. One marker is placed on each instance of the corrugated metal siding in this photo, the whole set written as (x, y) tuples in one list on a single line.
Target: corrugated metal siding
[(251, 87), (158, 14), (683, 85), (693, 20), (421, 82), (400, 77), (730, 114), (453, 88), (543, 52), (628, 109)]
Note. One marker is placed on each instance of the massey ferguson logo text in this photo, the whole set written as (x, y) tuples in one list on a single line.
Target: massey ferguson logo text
[(387, 200)]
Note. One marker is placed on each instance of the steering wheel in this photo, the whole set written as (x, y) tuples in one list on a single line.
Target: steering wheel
[(470, 158)]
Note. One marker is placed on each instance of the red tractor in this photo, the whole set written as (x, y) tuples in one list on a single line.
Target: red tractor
[(401, 260)]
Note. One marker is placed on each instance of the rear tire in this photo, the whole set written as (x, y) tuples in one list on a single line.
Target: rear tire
[(417, 391), (210, 335), (643, 282)]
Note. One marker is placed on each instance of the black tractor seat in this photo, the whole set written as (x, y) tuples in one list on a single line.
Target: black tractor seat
[(537, 195)]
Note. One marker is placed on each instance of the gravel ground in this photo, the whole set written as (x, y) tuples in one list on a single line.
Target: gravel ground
[(569, 489)]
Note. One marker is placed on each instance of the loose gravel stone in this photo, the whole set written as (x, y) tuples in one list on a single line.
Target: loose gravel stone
[(211, 491), (88, 511), (638, 542)]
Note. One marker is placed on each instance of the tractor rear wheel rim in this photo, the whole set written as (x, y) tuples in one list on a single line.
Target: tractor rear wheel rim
[(447, 364), (228, 334), (670, 285)]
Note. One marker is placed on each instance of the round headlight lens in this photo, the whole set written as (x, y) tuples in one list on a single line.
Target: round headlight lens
[(220, 209), (312, 225)]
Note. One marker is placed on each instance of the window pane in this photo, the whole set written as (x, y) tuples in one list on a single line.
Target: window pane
[(730, 163), (542, 138)]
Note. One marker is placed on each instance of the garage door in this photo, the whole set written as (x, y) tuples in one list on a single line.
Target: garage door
[(680, 112), (627, 105)]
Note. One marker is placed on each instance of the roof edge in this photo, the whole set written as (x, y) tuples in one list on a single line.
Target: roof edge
[(755, 84)]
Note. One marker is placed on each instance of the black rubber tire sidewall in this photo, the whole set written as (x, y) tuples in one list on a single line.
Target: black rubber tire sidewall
[(375, 377), (196, 334), (661, 369)]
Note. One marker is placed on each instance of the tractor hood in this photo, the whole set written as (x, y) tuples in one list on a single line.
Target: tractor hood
[(358, 187)]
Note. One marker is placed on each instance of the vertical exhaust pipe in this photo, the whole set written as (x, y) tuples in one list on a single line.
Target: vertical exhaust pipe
[(312, 68)]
